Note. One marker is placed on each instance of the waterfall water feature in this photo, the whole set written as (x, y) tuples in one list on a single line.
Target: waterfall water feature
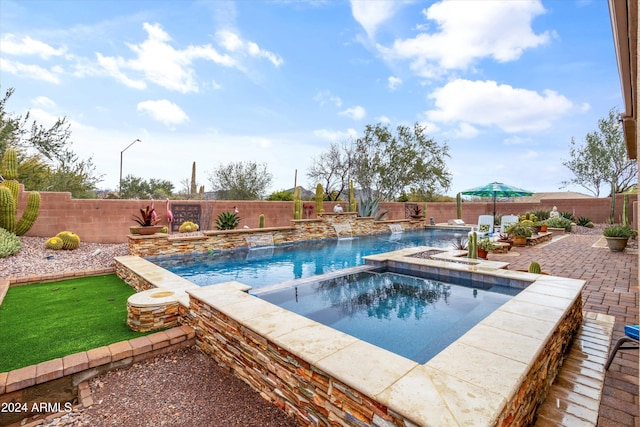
[(343, 230), (259, 241), (395, 228)]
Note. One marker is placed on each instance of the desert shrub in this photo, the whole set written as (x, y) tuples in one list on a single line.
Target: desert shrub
[(559, 223), (584, 222), (541, 214), (9, 243), (567, 215)]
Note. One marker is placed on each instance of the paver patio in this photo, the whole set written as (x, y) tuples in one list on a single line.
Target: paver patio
[(611, 288)]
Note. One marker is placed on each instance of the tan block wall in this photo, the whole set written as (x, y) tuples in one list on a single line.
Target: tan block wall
[(108, 221)]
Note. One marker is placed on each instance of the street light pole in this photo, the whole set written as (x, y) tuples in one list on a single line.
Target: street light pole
[(122, 152)]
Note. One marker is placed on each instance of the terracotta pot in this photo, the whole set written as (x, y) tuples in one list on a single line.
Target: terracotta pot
[(519, 241), (482, 253), (145, 231), (543, 228)]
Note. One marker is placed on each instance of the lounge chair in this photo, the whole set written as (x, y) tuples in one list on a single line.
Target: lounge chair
[(630, 335), (485, 226), (506, 221)]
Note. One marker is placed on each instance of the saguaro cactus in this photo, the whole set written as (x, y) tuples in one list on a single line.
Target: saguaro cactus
[(625, 210), (459, 206), (261, 221), (319, 198), (352, 198), (9, 192), (297, 203), (472, 246)]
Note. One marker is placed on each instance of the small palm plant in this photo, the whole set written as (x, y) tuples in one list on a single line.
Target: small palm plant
[(227, 221)]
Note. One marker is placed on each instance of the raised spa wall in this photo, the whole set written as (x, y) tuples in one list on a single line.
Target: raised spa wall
[(494, 375), (323, 227)]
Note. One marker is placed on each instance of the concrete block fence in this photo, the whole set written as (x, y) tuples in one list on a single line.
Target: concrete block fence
[(108, 221)]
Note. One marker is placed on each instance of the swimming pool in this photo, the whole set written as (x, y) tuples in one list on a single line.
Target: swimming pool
[(269, 265), (410, 316)]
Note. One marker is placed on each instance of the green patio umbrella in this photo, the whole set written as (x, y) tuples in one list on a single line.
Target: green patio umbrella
[(495, 190)]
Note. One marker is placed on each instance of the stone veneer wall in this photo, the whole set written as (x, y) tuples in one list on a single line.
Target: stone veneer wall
[(521, 410), (305, 229), (317, 399)]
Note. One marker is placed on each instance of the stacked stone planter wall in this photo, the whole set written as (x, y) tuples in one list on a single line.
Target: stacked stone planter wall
[(305, 229)]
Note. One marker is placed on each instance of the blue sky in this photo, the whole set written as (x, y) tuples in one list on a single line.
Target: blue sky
[(506, 84)]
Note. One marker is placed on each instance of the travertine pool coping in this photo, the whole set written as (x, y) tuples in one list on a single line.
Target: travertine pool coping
[(468, 383)]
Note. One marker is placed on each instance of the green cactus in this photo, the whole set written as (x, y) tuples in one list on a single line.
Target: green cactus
[(319, 198), (472, 246), (188, 227), (297, 203), (353, 203), (625, 210), (534, 267), (54, 243), (459, 206), (70, 240), (424, 210), (10, 189), (261, 221), (9, 243)]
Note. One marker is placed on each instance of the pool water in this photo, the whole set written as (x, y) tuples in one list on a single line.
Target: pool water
[(410, 316), (267, 266)]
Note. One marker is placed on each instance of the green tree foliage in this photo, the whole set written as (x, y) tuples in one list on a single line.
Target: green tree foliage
[(332, 170), (137, 188), (240, 180), (281, 196), (602, 159), (45, 159), (386, 164)]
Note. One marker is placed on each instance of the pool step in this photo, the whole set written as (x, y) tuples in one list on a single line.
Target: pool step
[(574, 397)]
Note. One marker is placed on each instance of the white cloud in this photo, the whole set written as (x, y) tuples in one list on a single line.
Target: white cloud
[(465, 130), (485, 103), (163, 111), (516, 140), (43, 101), (491, 28), (35, 72), (28, 46), (371, 14), (332, 136), (356, 113), (158, 62), (233, 43), (384, 119), (324, 97), (394, 82)]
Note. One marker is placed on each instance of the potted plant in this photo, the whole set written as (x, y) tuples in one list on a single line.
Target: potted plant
[(147, 221), (520, 232), (484, 247), (617, 236)]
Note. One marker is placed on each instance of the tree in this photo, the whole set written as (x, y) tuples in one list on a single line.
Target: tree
[(332, 170), (44, 157), (602, 159), (240, 180), (137, 188), (281, 196), (384, 165)]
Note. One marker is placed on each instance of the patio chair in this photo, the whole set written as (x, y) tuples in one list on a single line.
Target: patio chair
[(485, 226), (630, 335), (506, 221)]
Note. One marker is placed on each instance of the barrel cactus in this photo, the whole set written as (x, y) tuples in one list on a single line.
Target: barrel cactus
[(534, 267), (9, 191), (54, 243), (70, 240), (188, 227)]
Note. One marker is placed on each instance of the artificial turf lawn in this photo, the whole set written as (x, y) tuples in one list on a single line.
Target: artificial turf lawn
[(45, 321)]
